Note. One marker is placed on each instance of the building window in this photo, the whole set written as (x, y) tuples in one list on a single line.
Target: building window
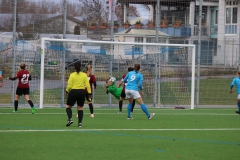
[(153, 40), (228, 15), (204, 14), (216, 17), (231, 12), (231, 17), (139, 39), (234, 19)]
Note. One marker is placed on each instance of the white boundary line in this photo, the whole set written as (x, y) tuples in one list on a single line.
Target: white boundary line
[(116, 108), (170, 114), (95, 130)]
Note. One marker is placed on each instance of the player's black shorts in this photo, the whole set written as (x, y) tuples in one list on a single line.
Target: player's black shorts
[(123, 95), (76, 95), (24, 91)]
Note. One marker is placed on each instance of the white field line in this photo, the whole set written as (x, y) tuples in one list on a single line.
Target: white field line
[(156, 114), (116, 109), (95, 130)]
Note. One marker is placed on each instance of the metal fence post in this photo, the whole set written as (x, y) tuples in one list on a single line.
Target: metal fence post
[(64, 52), (199, 51), (14, 49)]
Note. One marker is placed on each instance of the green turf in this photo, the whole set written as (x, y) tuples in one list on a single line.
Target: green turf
[(171, 134)]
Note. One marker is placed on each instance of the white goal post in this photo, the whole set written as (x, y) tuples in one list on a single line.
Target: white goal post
[(168, 69)]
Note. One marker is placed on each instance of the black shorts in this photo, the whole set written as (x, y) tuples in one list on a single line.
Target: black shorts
[(24, 91), (123, 95), (76, 95)]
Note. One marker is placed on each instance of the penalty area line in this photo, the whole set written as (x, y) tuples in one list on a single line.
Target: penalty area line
[(95, 130)]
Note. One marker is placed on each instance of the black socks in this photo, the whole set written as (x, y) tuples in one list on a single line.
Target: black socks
[(30, 103), (91, 108), (133, 104), (16, 105), (80, 116), (69, 113), (120, 106)]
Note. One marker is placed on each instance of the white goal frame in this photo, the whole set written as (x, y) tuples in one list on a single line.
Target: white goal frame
[(43, 40)]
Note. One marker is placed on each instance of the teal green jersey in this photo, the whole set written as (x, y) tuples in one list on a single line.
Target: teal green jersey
[(115, 91)]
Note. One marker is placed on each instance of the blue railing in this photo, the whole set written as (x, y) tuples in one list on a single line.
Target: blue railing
[(172, 31), (213, 31), (177, 31)]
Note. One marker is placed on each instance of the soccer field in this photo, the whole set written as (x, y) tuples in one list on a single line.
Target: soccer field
[(171, 134)]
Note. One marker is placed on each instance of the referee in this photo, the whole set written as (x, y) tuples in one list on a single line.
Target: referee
[(76, 92)]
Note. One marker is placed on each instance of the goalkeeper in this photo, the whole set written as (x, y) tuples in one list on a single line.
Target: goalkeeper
[(114, 90)]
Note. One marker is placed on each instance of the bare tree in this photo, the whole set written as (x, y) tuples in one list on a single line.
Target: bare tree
[(73, 9), (119, 12), (94, 10), (6, 6), (31, 15)]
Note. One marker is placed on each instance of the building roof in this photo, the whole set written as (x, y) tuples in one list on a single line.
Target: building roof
[(80, 18), (149, 1), (61, 16), (133, 20), (141, 32), (68, 36), (3, 29)]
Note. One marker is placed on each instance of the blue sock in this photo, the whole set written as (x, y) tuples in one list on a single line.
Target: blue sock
[(129, 107), (238, 106), (145, 110)]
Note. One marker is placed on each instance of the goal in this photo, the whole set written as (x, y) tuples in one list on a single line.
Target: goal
[(168, 70)]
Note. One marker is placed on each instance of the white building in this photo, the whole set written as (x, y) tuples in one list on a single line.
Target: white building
[(139, 36)]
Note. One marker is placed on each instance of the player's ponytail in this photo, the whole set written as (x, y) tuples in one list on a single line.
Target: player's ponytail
[(89, 70), (77, 66), (136, 67), (130, 69), (22, 66)]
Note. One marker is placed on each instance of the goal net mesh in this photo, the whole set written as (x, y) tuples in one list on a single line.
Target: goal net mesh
[(167, 70)]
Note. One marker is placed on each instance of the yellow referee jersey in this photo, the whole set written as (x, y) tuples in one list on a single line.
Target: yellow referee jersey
[(78, 81)]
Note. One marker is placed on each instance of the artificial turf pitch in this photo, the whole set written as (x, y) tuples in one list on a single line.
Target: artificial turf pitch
[(172, 134)]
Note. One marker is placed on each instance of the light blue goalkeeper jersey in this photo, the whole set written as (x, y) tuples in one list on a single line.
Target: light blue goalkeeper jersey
[(134, 80), (236, 81)]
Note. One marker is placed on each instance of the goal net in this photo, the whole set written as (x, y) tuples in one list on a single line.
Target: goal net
[(168, 70)]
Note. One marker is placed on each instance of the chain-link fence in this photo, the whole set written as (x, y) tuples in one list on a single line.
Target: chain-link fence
[(218, 55)]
